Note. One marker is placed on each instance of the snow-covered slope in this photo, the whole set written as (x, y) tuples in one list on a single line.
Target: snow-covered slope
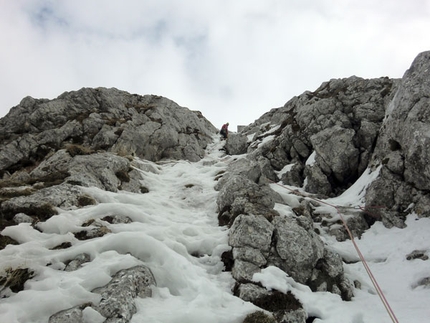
[(174, 231)]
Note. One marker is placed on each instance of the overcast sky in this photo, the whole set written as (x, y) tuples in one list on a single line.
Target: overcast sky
[(232, 60)]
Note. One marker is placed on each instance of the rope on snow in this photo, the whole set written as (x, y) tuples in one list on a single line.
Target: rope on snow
[(363, 260)]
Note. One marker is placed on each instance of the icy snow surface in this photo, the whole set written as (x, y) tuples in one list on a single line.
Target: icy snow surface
[(175, 233)]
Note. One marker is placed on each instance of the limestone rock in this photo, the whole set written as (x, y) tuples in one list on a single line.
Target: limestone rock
[(77, 262), (298, 249), (117, 297), (335, 146), (403, 148), (251, 231), (22, 218), (243, 271), (236, 144), (249, 254), (150, 127), (71, 315), (240, 195), (340, 121), (316, 181), (243, 167), (357, 225)]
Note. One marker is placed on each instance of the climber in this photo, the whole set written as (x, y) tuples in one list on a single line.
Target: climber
[(224, 131)]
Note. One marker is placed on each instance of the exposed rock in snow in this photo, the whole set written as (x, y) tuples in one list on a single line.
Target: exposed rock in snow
[(403, 148), (117, 298)]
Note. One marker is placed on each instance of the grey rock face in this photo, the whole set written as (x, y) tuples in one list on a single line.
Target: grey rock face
[(243, 271), (150, 127), (402, 149), (63, 195), (298, 249), (260, 237), (357, 226), (241, 196), (339, 121), (317, 181), (236, 144), (252, 255), (251, 231), (250, 292), (326, 138), (335, 147), (244, 167)]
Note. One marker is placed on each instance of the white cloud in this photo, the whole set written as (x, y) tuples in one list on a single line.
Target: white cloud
[(232, 60)]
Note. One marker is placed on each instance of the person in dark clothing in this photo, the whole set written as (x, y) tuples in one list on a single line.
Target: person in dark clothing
[(224, 130)]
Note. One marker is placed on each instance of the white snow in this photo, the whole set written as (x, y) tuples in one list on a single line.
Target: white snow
[(176, 234), (284, 170), (311, 159)]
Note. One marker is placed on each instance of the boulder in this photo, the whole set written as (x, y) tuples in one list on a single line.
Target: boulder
[(316, 181), (236, 144), (244, 167), (251, 231), (298, 249)]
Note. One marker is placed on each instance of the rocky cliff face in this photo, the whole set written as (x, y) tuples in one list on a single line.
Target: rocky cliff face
[(338, 123), (321, 142), (329, 137), (403, 149)]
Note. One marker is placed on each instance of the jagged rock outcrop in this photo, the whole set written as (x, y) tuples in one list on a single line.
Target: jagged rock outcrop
[(336, 126), (241, 193), (403, 149), (261, 237), (326, 139), (150, 127), (236, 144)]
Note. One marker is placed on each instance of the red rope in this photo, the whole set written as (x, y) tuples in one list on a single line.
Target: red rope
[(363, 260)]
